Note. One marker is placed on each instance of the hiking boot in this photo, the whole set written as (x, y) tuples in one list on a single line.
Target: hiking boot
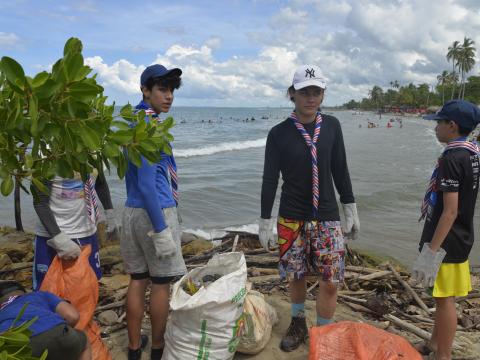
[(297, 333), (156, 354), (137, 354)]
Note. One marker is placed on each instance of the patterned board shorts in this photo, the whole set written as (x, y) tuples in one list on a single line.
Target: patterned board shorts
[(311, 248)]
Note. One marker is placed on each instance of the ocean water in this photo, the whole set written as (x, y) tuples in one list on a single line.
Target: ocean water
[(219, 152)]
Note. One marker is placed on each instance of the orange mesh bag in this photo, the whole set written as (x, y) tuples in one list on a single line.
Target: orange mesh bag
[(348, 340), (76, 282)]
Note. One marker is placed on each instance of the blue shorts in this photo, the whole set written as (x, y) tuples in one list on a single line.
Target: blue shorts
[(44, 255)]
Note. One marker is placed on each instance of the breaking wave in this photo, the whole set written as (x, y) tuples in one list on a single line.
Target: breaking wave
[(222, 147)]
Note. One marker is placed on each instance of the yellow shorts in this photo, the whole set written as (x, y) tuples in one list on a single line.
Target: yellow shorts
[(452, 280)]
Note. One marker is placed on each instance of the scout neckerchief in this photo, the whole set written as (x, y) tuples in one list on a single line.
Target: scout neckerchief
[(9, 301), (171, 169), (312, 145), (428, 201), (91, 200)]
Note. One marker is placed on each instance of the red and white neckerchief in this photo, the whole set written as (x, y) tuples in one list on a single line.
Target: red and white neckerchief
[(9, 301), (430, 194), (312, 145), (91, 200)]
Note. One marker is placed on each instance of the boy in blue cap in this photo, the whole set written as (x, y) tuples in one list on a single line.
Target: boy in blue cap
[(151, 236), (448, 209)]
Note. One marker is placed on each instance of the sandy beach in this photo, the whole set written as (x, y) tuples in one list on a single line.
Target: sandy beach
[(16, 250)]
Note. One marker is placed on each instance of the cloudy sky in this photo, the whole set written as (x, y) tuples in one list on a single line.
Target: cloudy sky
[(243, 53)]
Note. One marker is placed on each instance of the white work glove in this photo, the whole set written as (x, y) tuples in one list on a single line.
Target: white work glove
[(65, 247), (111, 222), (351, 225), (265, 232), (165, 246), (425, 268)]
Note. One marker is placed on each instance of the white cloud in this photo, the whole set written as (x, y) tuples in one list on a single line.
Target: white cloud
[(8, 40), (121, 76), (357, 44)]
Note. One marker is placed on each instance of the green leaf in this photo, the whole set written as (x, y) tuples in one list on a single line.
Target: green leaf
[(7, 186), (111, 150), (168, 122), (90, 138), (134, 157), (15, 338), (83, 88), (148, 145), (73, 45), (126, 111), (73, 62), (121, 167), (167, 149), (33, 111), (64, 169), (40, 79), (28, 161), (140, 130), (13, 72), (82, 73), (122, 137), (47, 89), (40, 185), (121, 125)]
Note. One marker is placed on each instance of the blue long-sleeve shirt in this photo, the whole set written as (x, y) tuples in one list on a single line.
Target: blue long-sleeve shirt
[(149, 187)]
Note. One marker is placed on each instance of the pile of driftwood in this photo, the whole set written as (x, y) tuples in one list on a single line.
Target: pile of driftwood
[(380, 292)]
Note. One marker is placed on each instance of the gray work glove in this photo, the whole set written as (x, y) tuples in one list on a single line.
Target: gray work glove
[(165, 246), (351, 225), (111, 222), (425, 268), (265, 232), (65, 247)]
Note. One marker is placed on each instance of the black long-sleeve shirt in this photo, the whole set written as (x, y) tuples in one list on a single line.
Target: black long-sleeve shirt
[(287, 153)]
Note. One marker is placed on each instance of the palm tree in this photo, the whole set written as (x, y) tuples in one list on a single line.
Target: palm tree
[(394, 85), (452, 54), (466, 61), (442, 80), (376, 95)]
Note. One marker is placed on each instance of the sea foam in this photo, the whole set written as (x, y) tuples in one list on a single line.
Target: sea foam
[(222, 147)]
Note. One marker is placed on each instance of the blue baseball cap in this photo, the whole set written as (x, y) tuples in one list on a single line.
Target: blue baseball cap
[(464, 113), (157, 70)]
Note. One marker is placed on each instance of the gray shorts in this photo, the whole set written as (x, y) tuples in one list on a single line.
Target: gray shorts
[(137, 247), (62, 342)]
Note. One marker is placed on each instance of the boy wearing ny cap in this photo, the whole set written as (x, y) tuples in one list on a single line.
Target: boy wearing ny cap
[(308, 150), (448, 209), (150, 241)]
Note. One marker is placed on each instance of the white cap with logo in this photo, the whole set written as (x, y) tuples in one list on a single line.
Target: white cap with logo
[(308, 75)]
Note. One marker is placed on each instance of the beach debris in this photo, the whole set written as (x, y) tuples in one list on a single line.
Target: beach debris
[(379, 293)]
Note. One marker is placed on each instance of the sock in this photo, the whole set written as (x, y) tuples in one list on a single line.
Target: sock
[(298, 310), (322, 321)]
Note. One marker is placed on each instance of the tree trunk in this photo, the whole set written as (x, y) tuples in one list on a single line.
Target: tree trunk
[(18, 211)]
